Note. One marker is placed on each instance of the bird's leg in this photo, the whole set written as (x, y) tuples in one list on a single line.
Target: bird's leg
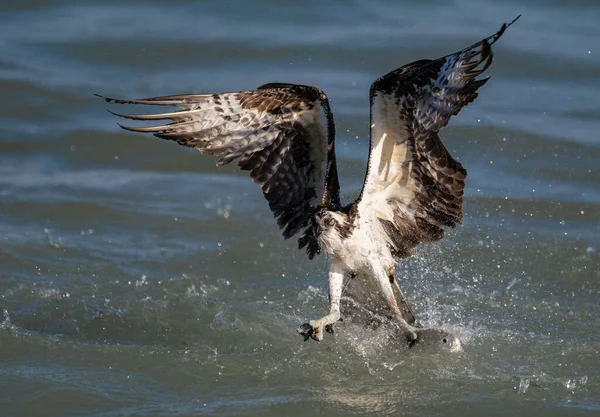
[(401, 301), (384, 280), (314, 328)]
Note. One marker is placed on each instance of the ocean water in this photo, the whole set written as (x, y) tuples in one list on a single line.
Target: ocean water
[(137, 279)]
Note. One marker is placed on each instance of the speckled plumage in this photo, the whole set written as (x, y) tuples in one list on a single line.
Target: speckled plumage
[(284, 135)]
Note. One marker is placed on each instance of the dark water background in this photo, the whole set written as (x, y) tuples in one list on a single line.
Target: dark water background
[(137, 279)]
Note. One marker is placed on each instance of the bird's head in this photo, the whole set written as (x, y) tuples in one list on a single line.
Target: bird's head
[(331, 229), (329, 220)]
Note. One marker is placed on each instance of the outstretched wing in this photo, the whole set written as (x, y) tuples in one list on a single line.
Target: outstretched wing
[(413, 187), (279, 132)]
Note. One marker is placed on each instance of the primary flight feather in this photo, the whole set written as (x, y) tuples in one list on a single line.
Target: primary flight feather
[(284, 135)]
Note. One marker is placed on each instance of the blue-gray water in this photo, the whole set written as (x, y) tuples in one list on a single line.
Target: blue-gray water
[(137, 279)]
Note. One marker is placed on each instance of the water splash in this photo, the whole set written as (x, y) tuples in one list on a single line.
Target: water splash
[(523, 385), (6, 324)]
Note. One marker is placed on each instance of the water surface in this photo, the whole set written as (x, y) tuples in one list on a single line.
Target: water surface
[(137, 279)]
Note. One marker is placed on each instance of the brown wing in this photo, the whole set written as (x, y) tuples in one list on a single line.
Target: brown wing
[(413, 186), (279, 132)]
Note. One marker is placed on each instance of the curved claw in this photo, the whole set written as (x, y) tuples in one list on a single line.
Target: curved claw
[(307, 331), (314, 329), (411, 342)]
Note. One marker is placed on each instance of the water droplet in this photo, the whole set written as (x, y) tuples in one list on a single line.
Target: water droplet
[(523, 385)]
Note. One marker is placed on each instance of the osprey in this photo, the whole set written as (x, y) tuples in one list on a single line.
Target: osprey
[(284, 135)]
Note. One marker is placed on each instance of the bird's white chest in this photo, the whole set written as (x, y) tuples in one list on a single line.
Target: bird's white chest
[(363, 250)]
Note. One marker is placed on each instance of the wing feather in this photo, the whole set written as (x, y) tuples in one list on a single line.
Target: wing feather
[(414, 188), (281, 133)]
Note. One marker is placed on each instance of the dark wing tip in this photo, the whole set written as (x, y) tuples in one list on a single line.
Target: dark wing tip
[(107, 99), (153, 101), (130, 129), (152, 129), (113, 100), (492, 39)]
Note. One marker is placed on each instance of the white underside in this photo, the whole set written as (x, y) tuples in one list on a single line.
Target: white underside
[(366, 254), (365, 251)]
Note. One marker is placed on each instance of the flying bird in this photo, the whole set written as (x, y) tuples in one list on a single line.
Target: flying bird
[(284, 134)]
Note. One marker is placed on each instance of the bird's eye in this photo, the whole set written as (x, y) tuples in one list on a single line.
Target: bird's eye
[(331, 221)]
